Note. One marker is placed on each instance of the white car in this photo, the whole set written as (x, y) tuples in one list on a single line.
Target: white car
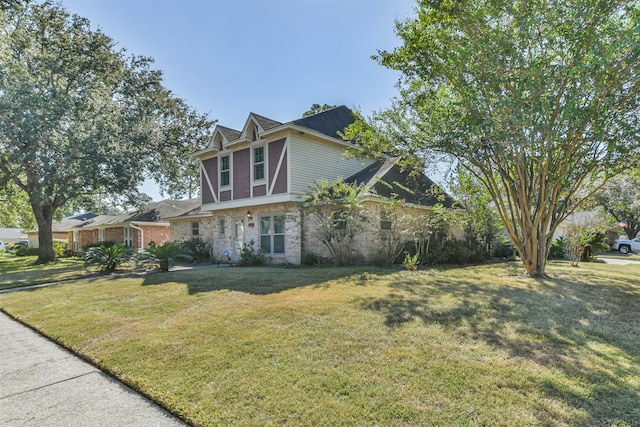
[(624, 246)]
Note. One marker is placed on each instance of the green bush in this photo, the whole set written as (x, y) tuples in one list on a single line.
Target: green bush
[(198, 249), (411, 261), (108, 257), (60, 247), (453, 251), (558, 249), (166, 255), (310, 260), (33, 251), (249, 257), (503, 250)]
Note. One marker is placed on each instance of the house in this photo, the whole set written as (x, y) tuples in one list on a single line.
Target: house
[(135, 229), (253, 179), (59, 228), (12, 235)]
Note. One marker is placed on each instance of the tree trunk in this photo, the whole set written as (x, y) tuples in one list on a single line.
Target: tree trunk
[(534, 255), (44, 217)]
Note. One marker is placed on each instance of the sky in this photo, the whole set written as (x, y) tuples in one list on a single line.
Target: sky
[(272, 57)]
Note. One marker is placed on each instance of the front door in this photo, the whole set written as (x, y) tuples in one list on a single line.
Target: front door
[(238, 238)]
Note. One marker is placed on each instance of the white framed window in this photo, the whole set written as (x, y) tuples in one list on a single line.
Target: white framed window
[(272, 234), (225, 171), (195, 229), (258, 163), (75, 240), (221, 227), (101, 238)]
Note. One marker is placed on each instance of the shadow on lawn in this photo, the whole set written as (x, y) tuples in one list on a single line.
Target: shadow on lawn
[(259, 280), (589, 331)]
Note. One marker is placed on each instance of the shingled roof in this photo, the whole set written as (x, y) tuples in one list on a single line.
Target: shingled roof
[(153, 212), (329, 122), (265, 122), (386, 179)]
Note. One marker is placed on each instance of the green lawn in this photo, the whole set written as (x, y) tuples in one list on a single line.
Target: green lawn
[(16, 271), (361, 345)]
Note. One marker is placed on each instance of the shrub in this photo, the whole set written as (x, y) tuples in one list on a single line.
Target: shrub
[(198, 249), (558, 249), (108, 257), (18, 249), (33, 251), (167, 254), (59, 247), (249, 257), (503, 250), (310, 260), (411, 261), (453, 251)]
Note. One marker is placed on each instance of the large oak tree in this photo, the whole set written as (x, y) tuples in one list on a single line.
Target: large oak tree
[(79, 116), (537, 98)]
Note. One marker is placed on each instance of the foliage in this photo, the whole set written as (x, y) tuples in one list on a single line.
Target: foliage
[(584, 243), (411, 262), (79, 118), (15, 210), (310, 259), (480, 219), (452, 251), (620, 197), (558, 248), (59, 247), (198, 248), (249, 257), (503, 250), (108, 258), (317, 108), (538, 100), (166, 254), (334, 214)]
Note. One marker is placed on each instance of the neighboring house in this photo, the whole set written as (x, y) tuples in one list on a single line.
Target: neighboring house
[(59, 228), (135, 229), (12, 235), (253, 179)]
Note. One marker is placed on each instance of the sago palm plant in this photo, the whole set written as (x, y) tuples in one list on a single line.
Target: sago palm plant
[(167, 254), (108, 257)]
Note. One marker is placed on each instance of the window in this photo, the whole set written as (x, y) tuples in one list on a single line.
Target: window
[(386, 219), (75, 241), (272, 234), (195, 229), (225, 167), (258, 163), (101, 235), (339, 220), (128, 236), (221, 230)]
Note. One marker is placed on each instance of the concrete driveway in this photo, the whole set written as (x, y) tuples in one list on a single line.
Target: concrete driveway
[(42, 384)]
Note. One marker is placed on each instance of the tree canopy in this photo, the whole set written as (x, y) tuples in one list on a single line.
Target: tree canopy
[(620, 197), (537, 99), (80, 117)]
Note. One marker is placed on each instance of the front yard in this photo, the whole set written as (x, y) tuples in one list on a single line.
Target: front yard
[(361, 345)]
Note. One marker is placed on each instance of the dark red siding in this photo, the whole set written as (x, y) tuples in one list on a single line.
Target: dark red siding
[(225, 195), (211, 169), (259, 190), (275, 150), (241, 174)]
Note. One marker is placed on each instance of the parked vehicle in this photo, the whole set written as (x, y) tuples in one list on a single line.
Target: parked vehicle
[(624, 246), (3, 246)]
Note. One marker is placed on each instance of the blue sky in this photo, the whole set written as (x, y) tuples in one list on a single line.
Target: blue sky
[(272, 57)]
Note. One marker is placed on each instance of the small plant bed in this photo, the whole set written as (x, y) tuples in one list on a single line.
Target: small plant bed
[(361, 345)]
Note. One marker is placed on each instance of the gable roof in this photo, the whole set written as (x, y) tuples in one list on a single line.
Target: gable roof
[(329, 122), (228, 133), (153, 212), (386, 179), (265, 122)]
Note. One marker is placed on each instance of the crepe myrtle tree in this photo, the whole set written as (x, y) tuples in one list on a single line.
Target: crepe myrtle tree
[(620, 197), (537, 99), (77, 115), (333, 213)]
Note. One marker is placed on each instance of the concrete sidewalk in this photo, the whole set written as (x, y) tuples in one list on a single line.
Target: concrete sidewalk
[(42, 384)]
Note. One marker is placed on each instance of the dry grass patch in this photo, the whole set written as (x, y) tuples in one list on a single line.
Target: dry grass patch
[(16, 272), (362, 346)]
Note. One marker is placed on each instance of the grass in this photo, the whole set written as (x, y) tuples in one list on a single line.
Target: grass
[(16, 271), (361, 345)]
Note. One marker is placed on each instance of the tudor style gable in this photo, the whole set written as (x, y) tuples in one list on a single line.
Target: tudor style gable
[(272, 162)]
